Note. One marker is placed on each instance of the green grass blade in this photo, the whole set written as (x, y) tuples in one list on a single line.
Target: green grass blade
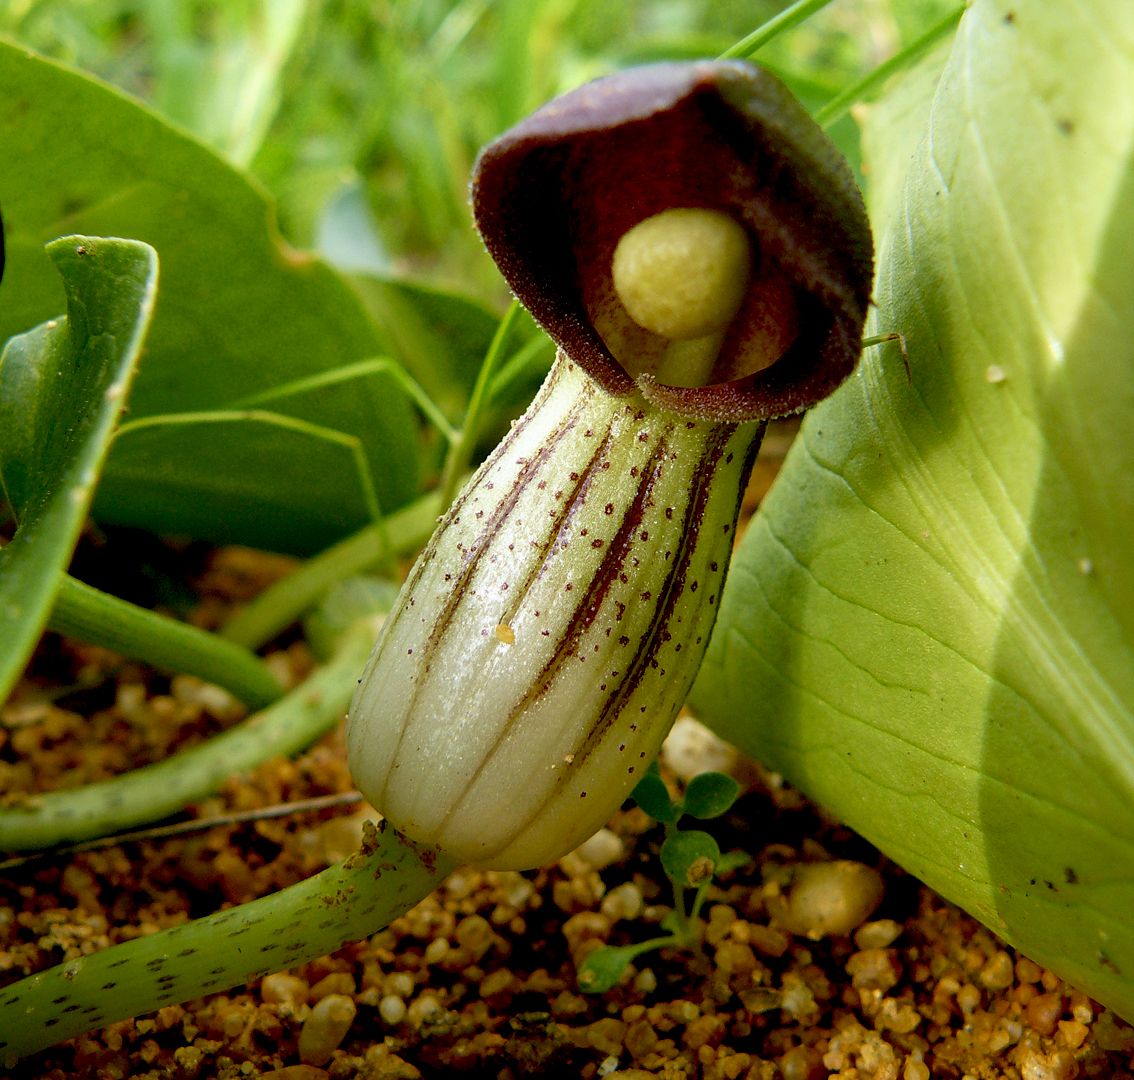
[(778, 24)]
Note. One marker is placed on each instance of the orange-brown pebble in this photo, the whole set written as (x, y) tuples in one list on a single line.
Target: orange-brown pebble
[(1043, 1012), (1073, 1033), (640, 1038), (337, 982), (1028, 971), (732, 958), (382, 1064), (1037, 1064), (874, 969), (295, 1072), (877, 934), (768, 940), (802, 1063), (392, 1009), (474, 934), (705, 1029), (606, 1034), (495, 983), (998, 972), (915, 1069)]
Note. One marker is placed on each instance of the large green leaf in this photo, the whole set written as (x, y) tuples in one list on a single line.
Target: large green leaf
[(930, 626), (241, 316), (62, 388)]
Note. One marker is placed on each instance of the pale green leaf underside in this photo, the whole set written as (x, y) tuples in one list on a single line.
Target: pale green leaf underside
[(930, 626), (62, 388), (241, 314)]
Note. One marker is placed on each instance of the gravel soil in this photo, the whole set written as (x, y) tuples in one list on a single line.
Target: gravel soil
[(818, 958)]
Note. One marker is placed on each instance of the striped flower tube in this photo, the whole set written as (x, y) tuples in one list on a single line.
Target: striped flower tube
[(701, 256)]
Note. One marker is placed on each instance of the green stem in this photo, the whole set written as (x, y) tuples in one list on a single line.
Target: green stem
[(87, 614), (166, 787), (461, 451), (279, 605), (785, 20), (841, 102), (347, 902)]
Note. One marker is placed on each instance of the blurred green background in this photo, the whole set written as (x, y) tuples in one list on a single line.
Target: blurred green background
[(363, 117)]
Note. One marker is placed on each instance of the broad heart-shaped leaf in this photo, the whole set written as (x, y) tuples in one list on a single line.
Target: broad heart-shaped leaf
[(930, 624), (62, 388), (241, 316)]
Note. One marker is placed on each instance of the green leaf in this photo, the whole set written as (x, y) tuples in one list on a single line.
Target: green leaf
[(930, 627), (689, 857), (652, 795), (62, 389), (602, 969), (710, 794), (440, 337), (241, 315)]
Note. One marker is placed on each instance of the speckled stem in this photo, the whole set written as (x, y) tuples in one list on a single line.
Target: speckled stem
[(152, 792), (347, 902)]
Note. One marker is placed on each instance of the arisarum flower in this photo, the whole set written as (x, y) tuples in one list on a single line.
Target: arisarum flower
[(699, 252)]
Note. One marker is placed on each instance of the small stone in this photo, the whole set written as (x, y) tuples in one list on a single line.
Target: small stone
[(645, 982), (495, 982), (1043, 1012), (733, 958), (606, 1034), (874, 969), (915, 1069), (436, 951), (283, 988), (337, 982), (998, 972), (399, 983), (392, 1009), (1028, 971), (325, 1028), (1073, 1033), (802, 1063), (623, 902), (877, 934), (423, 1010), (828, 898), (474, 933), (603, 849), (691, 748), (640, 1039)]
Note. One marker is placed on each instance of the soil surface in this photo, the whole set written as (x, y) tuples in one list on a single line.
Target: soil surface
[(819, 958)]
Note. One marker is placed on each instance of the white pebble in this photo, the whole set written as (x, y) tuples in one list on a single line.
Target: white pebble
[(601, 850), (392, 1009)]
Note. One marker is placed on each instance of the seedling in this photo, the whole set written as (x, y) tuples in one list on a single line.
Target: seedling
[(691, 859)]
